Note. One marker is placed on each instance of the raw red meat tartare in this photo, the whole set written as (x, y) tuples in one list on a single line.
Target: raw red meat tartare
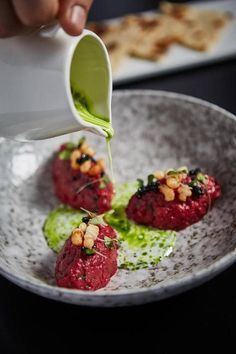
[(80, 180), (89, 257), (174, 199)]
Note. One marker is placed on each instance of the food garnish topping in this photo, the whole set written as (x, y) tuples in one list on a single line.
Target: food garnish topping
[(81, 158), (175, 182)]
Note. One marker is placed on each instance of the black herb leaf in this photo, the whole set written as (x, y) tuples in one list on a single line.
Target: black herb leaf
[(140, 182), (150, 179)]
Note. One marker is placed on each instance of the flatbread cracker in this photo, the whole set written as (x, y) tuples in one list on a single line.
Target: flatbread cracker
[(150, 37), (200, 28)]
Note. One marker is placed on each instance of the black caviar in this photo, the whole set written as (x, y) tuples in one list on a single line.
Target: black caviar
[(151, 187), (83, 159), (85, 219), (194, 172), (197, 191)]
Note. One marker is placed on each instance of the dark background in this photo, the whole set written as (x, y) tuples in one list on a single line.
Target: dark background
[(205, 315)]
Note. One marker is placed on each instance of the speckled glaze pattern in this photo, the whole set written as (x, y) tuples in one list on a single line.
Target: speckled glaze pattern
[(154, 130)]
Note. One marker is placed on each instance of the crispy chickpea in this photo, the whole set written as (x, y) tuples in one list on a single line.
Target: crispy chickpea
[(77, 237), (168, 193), (172, 182), (159, 175), (102, 164), (84, 146), (76, 154), (184, 192), (88, 242), (95, 170), (83, 226), (92, 231), (89, 151)]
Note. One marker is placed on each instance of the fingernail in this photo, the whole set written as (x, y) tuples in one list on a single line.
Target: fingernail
[(78, 15)]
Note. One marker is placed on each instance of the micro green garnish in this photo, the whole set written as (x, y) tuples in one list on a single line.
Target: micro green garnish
[(94, 218), (150, 179), (81, 141), (64, 154), (173, 172), (182, 169), (104, 181), (87, 185), (201, 178), (97, 220), (193, 183), (90, 213), (70, 146), (89, 251), (108, 242), (140, 183)]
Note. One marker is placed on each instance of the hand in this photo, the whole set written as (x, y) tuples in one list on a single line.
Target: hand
[(22, 16)]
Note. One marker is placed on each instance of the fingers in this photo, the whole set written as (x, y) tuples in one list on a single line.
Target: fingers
[(9, 23), (35, 13), (73, 15), (18, 16)]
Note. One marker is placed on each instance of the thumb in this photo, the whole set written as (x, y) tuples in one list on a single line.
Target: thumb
[(73, 15)]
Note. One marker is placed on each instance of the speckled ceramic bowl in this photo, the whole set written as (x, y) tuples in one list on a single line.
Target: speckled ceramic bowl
[(153, 130)]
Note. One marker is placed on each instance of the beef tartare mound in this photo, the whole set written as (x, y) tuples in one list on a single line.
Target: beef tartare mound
[(174, 199), (88, 259), (80, 180)]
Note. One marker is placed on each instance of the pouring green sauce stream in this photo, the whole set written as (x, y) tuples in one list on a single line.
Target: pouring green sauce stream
[(81, 105)]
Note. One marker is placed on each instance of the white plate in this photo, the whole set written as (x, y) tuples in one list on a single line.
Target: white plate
[(154, 130), (178, 57)]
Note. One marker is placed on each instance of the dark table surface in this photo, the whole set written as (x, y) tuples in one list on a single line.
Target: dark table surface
[(29, 323)]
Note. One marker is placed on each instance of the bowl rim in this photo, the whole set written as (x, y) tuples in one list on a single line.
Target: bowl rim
[(166, 286)]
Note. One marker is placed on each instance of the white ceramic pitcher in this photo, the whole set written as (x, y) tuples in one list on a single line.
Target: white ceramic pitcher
[(35, 86)]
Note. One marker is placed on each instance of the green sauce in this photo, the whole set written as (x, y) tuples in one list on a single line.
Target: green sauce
[(59, 224), (81, 104), (139, 246)]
